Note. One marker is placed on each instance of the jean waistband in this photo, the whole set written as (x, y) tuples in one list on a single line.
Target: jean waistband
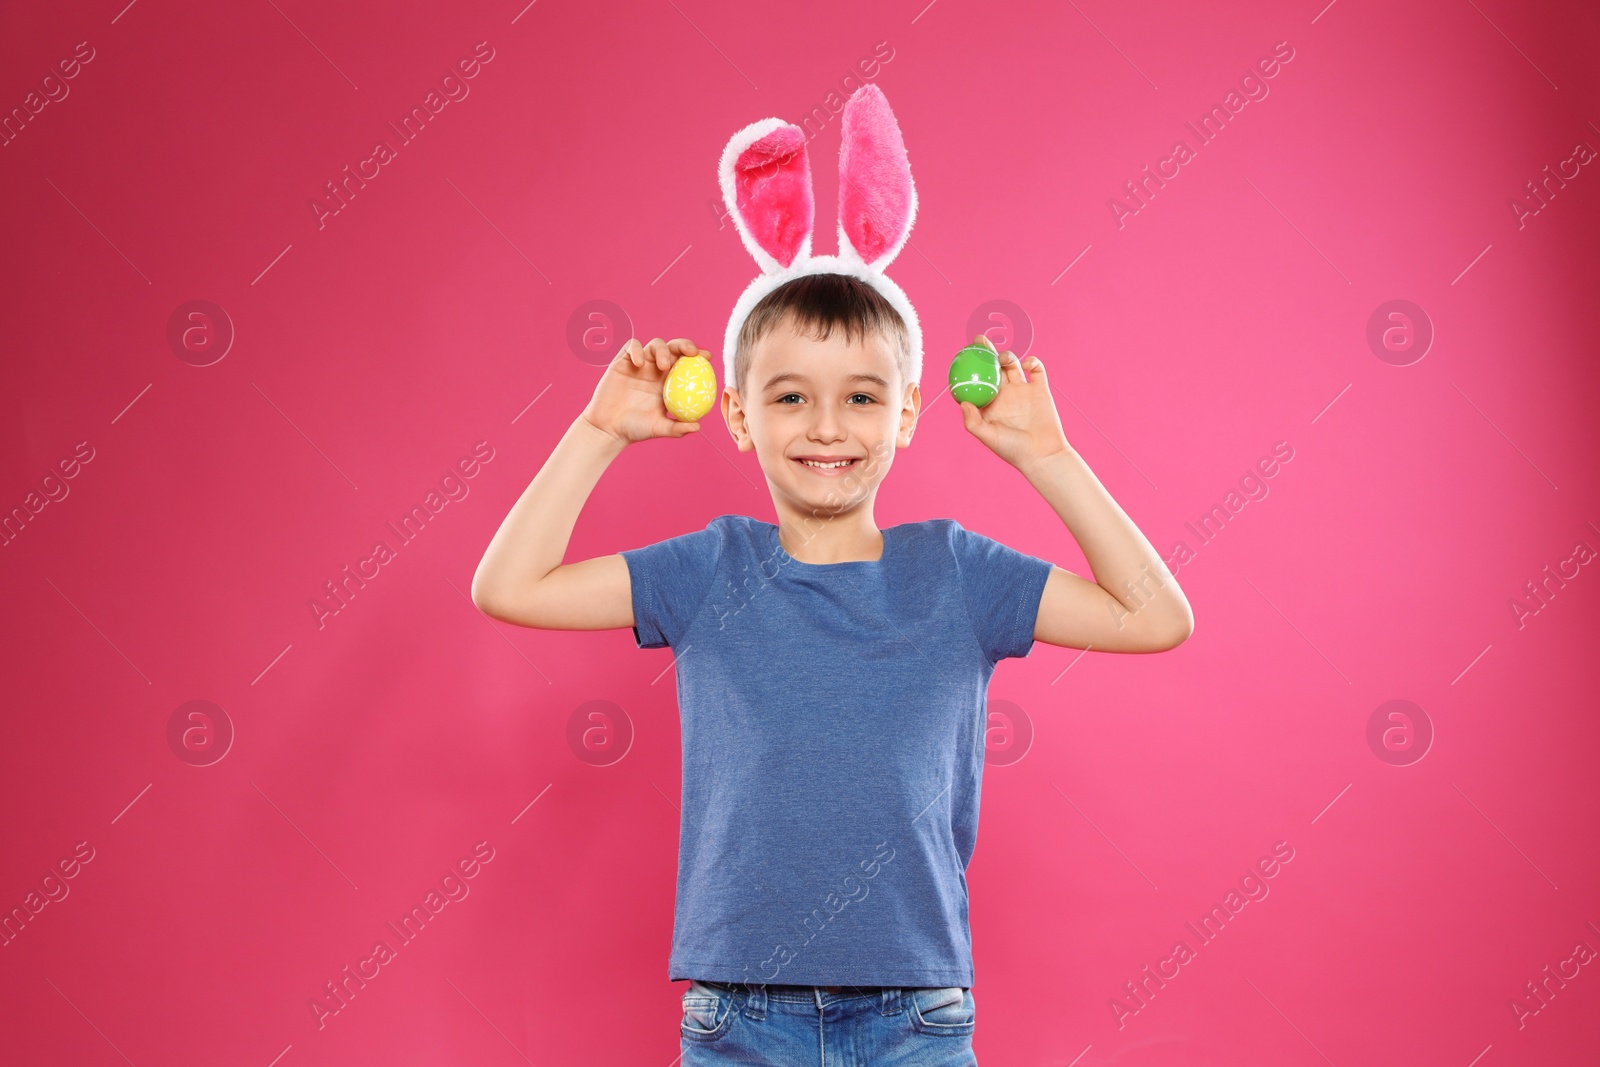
[(802, 990)]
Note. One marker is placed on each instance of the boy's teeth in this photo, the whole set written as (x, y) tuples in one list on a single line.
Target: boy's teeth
[(827, 466)]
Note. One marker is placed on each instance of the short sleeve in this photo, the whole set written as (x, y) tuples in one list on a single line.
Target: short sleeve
[(1003, 589), (670, 580)]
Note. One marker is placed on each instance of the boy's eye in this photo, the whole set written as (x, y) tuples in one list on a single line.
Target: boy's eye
[(867, 396)]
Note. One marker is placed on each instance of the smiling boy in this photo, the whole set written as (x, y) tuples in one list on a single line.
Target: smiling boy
[(832, 676)]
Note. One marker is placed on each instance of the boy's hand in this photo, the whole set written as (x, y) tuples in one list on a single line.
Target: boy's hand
[(1021, 424), (627, 401)]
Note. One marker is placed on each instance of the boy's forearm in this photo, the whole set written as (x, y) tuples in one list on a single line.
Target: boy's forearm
[(1124, 562), (533, 537)]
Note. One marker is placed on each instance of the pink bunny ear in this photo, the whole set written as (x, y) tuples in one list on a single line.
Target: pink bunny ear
[(766, 184), (877, 201)]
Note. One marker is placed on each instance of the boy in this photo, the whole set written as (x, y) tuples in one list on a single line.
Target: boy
[(831, 676)]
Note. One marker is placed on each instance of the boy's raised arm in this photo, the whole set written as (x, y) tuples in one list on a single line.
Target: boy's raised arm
[(1134, 603), (521, 578)]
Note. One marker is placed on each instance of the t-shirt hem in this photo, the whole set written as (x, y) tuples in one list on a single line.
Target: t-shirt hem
[(919, 978), (645, 634), (1027, 617)]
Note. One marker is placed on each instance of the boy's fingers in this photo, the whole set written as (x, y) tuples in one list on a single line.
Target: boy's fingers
[(1011, 367), (659, 353), (969, 411), (983, 339)]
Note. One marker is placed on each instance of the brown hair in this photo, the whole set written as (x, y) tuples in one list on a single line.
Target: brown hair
[(816, 304)]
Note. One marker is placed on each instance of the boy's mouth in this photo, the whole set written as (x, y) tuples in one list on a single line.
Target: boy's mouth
[(827, 466)]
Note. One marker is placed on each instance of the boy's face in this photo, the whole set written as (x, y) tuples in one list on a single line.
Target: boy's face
[(832, 399)]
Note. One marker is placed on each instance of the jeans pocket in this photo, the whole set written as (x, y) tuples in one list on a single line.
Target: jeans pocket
[(707, 1013), (949, 1011)]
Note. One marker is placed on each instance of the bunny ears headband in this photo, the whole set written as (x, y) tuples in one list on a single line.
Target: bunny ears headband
[(766, 184)]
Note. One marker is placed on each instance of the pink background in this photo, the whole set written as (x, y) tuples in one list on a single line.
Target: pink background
[(373, 752)]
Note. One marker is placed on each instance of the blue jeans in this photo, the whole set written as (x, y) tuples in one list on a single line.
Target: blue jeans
[(807, 1026)]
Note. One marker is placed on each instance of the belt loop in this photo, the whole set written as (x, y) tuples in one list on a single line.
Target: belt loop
[(755, 1005)]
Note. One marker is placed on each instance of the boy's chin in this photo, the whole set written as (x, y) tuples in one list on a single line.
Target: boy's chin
[(830, 499)]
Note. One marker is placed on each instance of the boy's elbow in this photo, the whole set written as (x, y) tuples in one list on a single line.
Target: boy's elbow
[(1179, 634), (484, 598), (531, 606)]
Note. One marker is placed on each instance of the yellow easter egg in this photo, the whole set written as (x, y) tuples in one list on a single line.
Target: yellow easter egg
[(690, 389)]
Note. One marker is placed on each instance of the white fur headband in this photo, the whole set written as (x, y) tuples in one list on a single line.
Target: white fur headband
[(765, 176)]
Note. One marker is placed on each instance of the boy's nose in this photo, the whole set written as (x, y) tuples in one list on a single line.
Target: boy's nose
[(827, 427)]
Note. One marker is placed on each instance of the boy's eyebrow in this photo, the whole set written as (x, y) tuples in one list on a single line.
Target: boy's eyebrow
[(796, 376)]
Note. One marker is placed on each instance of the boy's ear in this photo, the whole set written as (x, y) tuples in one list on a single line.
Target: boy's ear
[(910, 411), (734, 416)]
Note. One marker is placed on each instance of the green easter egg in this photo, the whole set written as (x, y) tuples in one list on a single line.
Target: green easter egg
[(975, 375)]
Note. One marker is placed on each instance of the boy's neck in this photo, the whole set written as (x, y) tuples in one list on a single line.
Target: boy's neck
[(841, 539)]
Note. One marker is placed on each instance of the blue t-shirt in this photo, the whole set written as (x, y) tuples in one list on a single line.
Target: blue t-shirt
[(833, 722)]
